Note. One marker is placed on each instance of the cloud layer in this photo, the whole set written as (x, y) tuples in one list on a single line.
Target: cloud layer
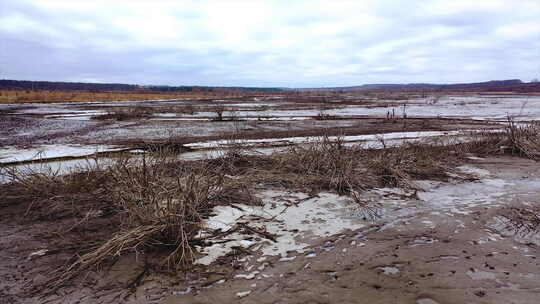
[(270, 43)]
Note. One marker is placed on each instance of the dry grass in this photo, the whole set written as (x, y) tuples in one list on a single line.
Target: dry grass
[(127, 113), (330, 165), (522, 220), (399, 166), (52, 195), (521, 139), (324, 165), (161, 205), (182, 109), (158, 204), (21, 96)]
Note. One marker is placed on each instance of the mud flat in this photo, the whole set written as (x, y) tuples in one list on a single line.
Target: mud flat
[(110, 123), (400, 237), (437, 245), (438, 248)]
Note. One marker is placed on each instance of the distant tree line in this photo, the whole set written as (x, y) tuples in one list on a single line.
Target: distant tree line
[(511, 85), (63, 86), (6, 84)]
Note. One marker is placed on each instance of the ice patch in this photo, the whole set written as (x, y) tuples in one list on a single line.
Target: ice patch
[(477, 172), (13, 154), (242, 294), (388, 270), (481, 275), (249, 276), (294, 225), (374, 138), (459, 198)]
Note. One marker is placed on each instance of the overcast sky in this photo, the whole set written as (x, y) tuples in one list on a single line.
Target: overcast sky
[(289, 43)]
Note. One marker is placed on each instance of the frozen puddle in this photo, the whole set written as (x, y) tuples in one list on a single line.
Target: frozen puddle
[(292, 220), (13, 154), (302, 140), (389, 270), (487, 191), (481, 275), (521, 234), (460, 198)]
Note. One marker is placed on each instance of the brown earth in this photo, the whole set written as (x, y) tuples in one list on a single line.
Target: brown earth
[(433, 252)]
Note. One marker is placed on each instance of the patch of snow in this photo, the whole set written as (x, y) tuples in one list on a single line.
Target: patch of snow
[(242, 294), (182, 292), (14, 154), (302, 140), (477, 172), (293, 225), (388, 270), (287, 259), (459, 198), (426, 301), (249, 276), (40, 252), (482, 275)]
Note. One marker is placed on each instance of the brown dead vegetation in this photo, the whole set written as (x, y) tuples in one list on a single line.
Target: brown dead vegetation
[(30, 96), (516, 139), (127, 113), (157, 205), (522, 220)]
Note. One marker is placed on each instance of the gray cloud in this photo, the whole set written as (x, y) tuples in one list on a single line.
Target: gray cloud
[(263, 43)]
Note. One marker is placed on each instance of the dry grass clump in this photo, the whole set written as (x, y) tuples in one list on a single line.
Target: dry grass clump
[(330, 165), (51, 195), (156, 205), (183, 109), (161, 207), (522, 220), (127, 113), (324, 165), (399, 166), (522, 139)]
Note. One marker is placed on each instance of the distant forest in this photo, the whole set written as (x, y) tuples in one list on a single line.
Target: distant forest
[(6, 84), (512, 85)]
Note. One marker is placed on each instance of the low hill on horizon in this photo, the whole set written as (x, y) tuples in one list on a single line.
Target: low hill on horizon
[(510, 85)]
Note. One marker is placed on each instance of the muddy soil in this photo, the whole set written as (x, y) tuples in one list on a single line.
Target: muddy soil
[(79, 123), (27, 131), (440, 245)]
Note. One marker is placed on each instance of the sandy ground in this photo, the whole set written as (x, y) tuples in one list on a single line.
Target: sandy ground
[(441, 246)]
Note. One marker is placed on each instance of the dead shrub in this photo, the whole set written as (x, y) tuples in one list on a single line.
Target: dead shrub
[(127, 113), (183, 109), (158, 204), (326, 164), (522, 220), (330, 165), (51, 195), (218, 110), (400, 166), (161, 208), (522, 139)]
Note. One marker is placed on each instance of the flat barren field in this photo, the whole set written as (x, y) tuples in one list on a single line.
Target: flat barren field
[(278, 198)]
